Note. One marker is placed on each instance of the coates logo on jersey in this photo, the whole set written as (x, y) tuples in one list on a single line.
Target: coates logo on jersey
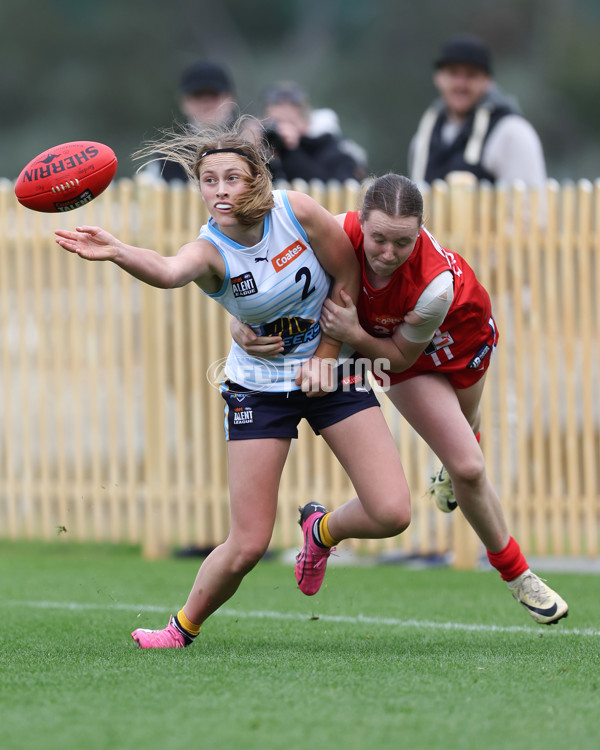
[(286, 256), (389, 321)]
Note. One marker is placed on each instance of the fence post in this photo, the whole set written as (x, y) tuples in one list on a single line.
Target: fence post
[(152, 234), (462, 188)]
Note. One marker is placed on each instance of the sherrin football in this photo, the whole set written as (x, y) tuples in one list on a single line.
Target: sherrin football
[(66, 176)]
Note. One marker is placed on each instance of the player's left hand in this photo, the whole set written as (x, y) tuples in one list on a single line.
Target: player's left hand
[(340, 323)]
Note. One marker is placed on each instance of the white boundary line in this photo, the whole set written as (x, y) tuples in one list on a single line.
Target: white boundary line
[(298, 616)]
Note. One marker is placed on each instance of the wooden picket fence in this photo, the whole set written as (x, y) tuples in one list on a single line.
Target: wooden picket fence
[(111, 422)]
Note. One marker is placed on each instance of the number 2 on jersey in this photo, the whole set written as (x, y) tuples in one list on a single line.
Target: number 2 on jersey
[(308, 290)]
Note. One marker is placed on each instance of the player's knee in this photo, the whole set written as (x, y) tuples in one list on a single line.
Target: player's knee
[(246, 556), (470, 471), (393, 517)]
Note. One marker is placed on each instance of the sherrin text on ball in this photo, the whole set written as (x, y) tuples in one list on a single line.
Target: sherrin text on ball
[(66, 176)]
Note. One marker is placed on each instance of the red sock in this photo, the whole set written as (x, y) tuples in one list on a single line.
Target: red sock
[(509, 562)]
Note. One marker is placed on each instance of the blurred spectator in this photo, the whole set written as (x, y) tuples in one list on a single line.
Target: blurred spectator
[(305, 143), (325, 120), (474, 127), (207, 97)]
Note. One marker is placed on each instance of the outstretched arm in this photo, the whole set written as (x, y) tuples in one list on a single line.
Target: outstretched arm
[(196, 261)]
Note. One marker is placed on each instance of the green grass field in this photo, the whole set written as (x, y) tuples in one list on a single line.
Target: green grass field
[(383, 657)]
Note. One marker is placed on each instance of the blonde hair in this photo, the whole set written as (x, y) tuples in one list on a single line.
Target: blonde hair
[(188, 147)]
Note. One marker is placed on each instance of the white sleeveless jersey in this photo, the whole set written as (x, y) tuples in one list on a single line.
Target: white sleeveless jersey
[(278, 288)]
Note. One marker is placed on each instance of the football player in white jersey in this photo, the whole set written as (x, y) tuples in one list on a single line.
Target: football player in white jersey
[(272, 258)]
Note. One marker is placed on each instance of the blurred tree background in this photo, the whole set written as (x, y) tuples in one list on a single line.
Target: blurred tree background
[(108, 70)]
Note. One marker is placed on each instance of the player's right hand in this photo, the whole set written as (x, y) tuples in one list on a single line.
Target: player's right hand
[(91, 243)]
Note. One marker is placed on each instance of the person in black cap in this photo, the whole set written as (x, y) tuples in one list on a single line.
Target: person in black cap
[(473, 127), (207, 98)]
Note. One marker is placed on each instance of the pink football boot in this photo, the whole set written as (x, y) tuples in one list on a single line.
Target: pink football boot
[(311, 561), (168, 637)]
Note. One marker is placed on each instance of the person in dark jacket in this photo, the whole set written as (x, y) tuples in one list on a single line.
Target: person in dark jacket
[(473, 126), (297, 153)]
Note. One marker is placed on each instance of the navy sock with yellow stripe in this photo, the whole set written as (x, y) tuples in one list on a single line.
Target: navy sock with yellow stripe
[(321, 533), (188, 629)]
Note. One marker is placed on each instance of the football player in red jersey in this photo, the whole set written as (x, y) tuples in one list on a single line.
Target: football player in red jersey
[(423, 310)]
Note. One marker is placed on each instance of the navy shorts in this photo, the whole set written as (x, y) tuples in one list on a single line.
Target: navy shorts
[(267, 414)]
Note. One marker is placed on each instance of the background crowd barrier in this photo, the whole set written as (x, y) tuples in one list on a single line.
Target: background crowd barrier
[(111, 421)]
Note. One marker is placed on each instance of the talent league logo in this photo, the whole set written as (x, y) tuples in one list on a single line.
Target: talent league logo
[(290, 253), (82, 199), (243, 415), (244, 285)]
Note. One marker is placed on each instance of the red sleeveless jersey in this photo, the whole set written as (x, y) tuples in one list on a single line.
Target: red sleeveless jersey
[(462, 345)]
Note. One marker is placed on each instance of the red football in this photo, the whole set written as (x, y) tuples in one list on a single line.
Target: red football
[(66, 176)]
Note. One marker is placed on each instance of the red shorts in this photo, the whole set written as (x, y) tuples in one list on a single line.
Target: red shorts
[(462, 355)]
